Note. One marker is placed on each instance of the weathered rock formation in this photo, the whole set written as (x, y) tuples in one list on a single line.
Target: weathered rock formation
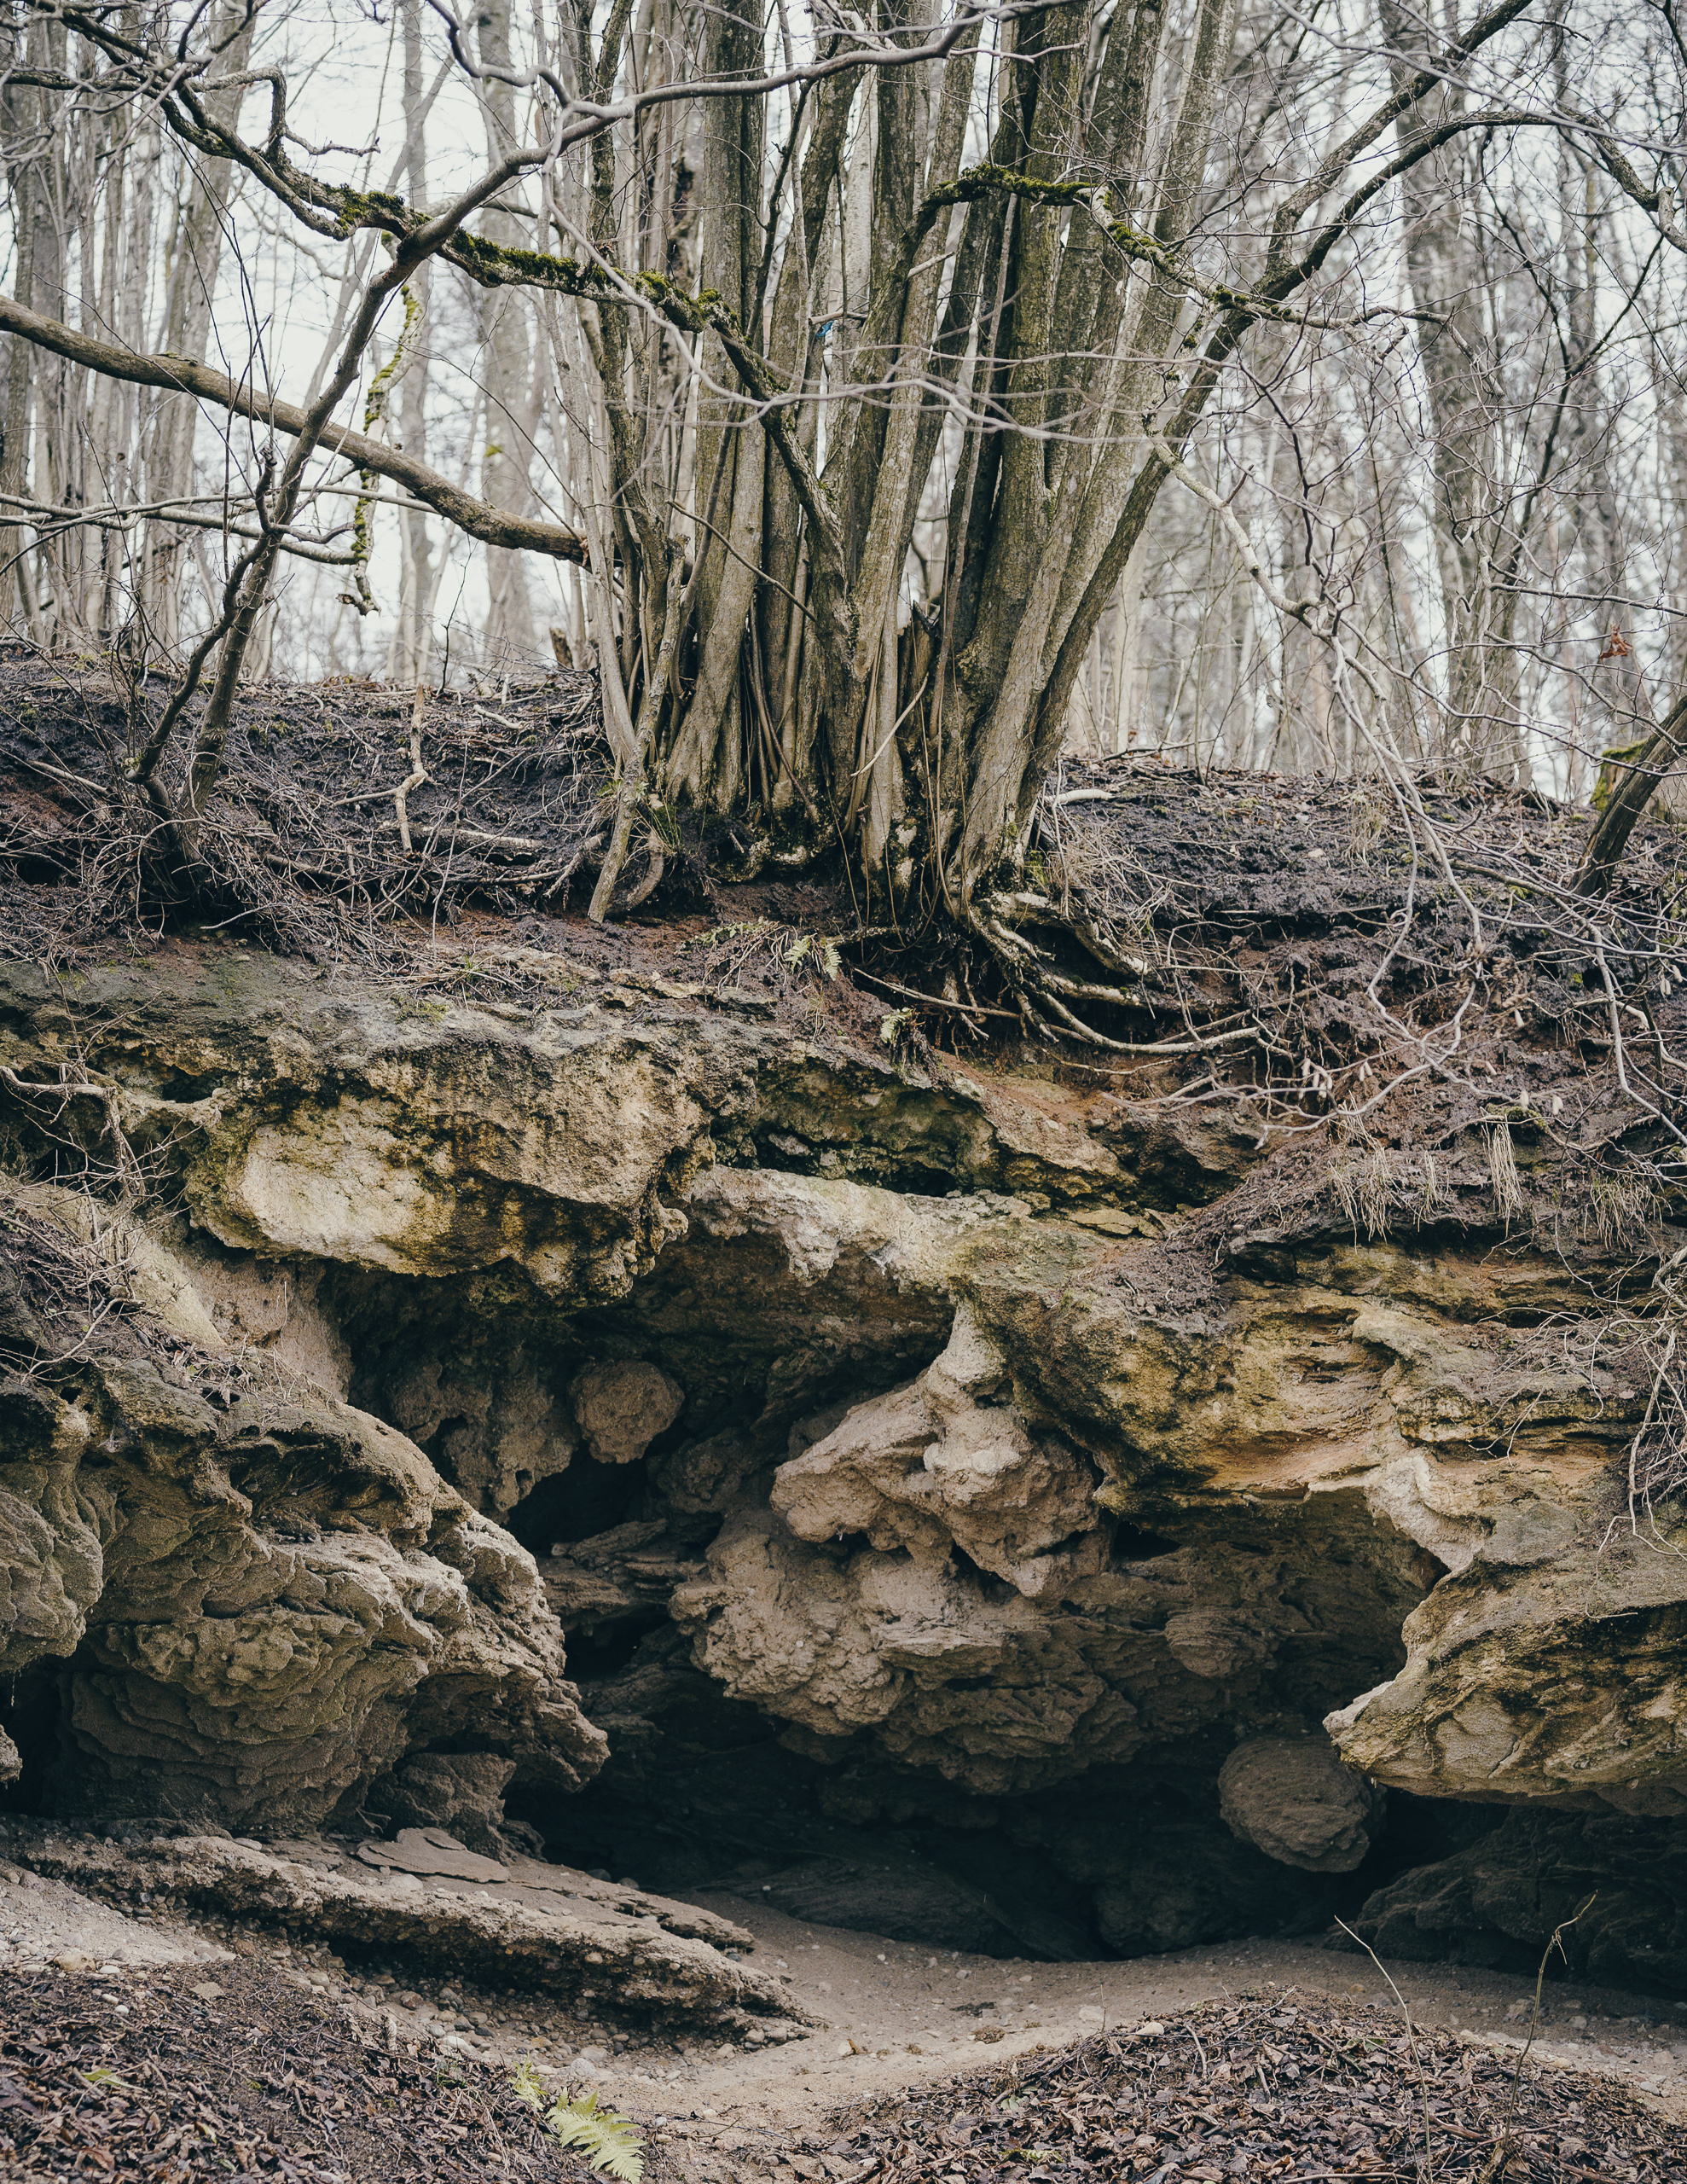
[(973, 1467), (1613, 1891), (246, 1601), (1291, 1798), (521, 1923)]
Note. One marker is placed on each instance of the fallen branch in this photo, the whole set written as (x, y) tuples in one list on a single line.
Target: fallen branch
[(496, 526)]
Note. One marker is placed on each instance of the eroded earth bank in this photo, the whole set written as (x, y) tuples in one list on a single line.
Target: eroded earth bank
[(499, 1450)]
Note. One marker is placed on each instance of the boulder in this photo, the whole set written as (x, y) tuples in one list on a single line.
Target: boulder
[(622, 1408), (1291, 1798)]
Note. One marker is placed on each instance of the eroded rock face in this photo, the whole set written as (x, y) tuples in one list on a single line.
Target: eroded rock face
[(1056, 1521), (1499, 1902), (53, 1524), (1553, 1671), (1006, 1693), (499, 1436), (319, 1120), (945, 1463), (261, 1604), (448, 1790)]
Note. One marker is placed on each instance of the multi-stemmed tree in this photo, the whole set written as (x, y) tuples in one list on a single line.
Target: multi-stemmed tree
[(875, 336)]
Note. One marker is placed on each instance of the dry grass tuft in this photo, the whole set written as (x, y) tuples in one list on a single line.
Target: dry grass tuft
[(1622, 1208), (1508, 1190), (1374, 1184)]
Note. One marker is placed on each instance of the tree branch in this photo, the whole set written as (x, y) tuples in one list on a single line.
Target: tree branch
[(496, 526)]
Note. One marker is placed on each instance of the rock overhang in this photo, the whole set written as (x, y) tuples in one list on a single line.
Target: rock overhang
[(1327, 1442)]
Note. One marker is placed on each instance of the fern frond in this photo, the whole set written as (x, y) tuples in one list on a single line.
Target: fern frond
[(607, 2139)]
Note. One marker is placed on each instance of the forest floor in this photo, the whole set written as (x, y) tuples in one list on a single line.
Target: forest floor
[(172, 2052)]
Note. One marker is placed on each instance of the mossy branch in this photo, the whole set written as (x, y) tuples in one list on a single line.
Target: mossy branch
[(374, 413)]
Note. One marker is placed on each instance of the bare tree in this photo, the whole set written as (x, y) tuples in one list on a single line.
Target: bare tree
[(863, 351)]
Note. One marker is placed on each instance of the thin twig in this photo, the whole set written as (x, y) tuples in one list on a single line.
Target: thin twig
[(1411, 2041), (418, 773)]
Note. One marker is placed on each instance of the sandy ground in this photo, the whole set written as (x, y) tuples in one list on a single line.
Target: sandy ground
[(44, 1919), (887, 2015), (897, 2015)]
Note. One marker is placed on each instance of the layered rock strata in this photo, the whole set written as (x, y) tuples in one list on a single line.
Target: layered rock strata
[(1001, 1463), (423, 1898)]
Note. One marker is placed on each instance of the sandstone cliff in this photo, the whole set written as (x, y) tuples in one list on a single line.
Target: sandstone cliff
[(988, 1496)]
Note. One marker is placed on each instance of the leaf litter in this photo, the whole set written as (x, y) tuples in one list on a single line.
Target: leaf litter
[(160, 2081), (1287, 2088), (177, 2079)]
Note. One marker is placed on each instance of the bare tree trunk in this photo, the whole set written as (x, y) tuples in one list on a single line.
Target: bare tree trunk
[(196, 259), (707, 761), (21, 109), (506, 338), (416, 583), (1456, 346)]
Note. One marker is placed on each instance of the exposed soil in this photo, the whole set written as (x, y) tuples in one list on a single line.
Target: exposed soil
[(347, 822), (291, 2063), (1362, 1001), (1280, 947)]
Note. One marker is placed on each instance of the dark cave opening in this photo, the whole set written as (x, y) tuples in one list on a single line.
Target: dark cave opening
[(706, 1797), (583, 1502), (705, 1790), (1179, 1636)]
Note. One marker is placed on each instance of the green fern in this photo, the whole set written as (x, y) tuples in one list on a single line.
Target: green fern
[(524, 2083), (607, 2140)]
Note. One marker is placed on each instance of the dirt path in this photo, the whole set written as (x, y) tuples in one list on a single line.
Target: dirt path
[(895, 2015), (888, 2016)]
